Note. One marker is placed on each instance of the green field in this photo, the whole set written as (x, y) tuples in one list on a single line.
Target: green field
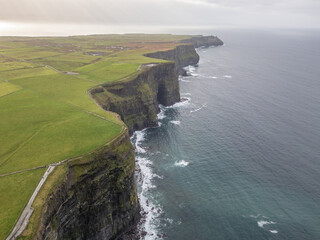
[(7, 88), (46, 113), (15, 192)]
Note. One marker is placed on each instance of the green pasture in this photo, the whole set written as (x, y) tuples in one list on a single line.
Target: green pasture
[(15, 191), (38, 131), (7, 88), (46, 115)]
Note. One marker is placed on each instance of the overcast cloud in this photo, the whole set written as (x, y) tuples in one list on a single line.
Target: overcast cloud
[(206, 13)]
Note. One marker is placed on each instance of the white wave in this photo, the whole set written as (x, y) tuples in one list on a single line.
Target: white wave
[(205, 76), (182, 163), (162, 114), (198, 109), (190, 69), (227, 76), (175, 122), (149, 210), (184, 80), (139, 137), (274, 231), (186, 94), (169, 220), (145, 175), (262, 223), (184, 101)]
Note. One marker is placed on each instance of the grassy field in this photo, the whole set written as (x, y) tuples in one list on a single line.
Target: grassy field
[(46, 113), (15, 193), (7, 88)]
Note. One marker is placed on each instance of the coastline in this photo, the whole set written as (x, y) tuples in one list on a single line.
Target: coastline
[(71, 182), (146, 228)]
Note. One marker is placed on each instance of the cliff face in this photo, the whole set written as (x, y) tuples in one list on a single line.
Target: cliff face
[(98, 198), (182, 55), (204, 41), (137, 100)]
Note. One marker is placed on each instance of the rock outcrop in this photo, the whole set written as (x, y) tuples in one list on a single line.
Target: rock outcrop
[(204, 41), (182, 56), (137, 99), (97, 199)]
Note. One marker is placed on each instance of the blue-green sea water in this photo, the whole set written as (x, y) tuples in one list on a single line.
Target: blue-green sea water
[(240, 157)]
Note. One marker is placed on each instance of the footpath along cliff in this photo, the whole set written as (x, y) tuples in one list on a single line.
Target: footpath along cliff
[(98, 197)]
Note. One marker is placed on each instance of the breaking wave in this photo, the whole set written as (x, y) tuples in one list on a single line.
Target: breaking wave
[(182, 163), (184, 101), (198, 109), (227, 76), (150, 210), (175, 122)]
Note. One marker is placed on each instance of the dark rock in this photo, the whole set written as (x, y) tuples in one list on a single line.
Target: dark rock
[(97, 199), (204, 41)]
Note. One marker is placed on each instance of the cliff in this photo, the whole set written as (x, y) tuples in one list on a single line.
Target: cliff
[(182, 56), (97, 199), (203, 41), (137, 100)]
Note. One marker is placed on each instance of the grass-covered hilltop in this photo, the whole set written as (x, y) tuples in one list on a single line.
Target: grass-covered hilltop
[(72, 102)]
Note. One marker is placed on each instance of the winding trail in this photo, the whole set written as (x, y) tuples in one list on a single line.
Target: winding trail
[(28, 210)]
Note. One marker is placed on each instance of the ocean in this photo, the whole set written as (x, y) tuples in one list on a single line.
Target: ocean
[(239, 158)]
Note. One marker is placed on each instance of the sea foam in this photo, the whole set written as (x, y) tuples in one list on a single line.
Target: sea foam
[(175, 122), (139, 135), (262, 223), (185, 101), (150, 211), (227, 76), (198, 109), (182, 163), (162, 114)]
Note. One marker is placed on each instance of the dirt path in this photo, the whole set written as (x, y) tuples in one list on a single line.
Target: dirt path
[(28, 210), (62, 72), (21, 171)]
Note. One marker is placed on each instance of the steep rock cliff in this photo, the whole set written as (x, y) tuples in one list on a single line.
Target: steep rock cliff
[(204, 41), (98, 198), (182, 55), (137, 100)]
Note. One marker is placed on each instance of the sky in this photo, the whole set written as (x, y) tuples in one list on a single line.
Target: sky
[(116, 16)]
